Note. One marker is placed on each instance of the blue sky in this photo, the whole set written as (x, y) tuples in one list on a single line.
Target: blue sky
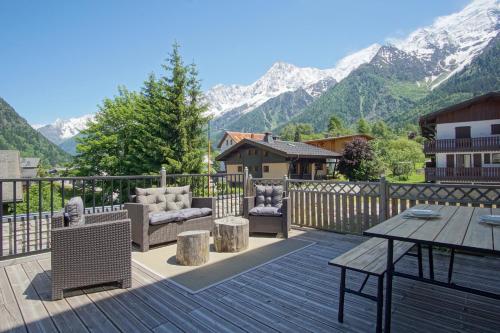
[(59, 59)]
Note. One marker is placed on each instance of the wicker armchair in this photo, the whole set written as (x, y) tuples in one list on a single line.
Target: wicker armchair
[(268, 224), (94, 253)]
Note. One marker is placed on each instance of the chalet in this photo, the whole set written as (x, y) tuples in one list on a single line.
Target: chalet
[(10, 168), (231, 138), (463, 141), (337, 143), (29, 167), (272, 158)]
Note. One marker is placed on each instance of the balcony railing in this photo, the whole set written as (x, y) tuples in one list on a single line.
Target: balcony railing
[(458, 145), (463, 174)]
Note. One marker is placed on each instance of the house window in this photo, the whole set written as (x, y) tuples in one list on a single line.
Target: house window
[(249, 152), (464, 161), (495, 129), (256, 168), (462, 132), (240, 168), (266, 153), (487, 158), (266, 168), (495, 158)]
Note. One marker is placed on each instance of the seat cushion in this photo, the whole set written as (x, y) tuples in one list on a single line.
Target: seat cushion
[(269, 196), (165, 217), (265, 211), (156, 218), (177, 198), (74, 211), (192, 213)]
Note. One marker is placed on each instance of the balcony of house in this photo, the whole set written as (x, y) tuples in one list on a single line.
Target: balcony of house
[(478, 174), (280, 283), (462, 145)]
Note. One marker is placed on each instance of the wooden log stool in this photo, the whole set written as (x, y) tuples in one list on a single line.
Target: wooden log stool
[(231, 234), (193, 247)]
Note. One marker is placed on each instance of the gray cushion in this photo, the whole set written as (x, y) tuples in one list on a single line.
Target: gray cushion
[(177, 198), (265, 211), (153, 197), (164, 217), (178, 215), (192, 213), (268, 196), (74, 211)]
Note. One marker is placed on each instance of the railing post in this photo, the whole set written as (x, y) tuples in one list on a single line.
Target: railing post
[(285, 185), (245, 181), (163, 177), (384, 199)]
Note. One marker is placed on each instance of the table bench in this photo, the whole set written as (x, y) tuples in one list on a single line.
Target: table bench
[(369, 258)]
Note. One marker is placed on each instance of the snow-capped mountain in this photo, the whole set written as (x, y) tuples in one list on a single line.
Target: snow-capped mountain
[(61, 129), (452, 41), (280, 78)]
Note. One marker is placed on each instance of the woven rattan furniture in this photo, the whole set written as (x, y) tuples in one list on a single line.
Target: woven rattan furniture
[(144, 234), (276, 222), (94, 253)]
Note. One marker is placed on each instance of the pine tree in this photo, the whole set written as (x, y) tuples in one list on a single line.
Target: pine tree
[(335, 126), (363, 126)]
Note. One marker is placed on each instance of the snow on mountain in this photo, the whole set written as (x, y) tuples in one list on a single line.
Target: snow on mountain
[(452, 41), (63, 129), (280, 78)]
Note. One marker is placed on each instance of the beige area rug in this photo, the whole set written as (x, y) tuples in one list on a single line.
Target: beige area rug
[(221, 266)]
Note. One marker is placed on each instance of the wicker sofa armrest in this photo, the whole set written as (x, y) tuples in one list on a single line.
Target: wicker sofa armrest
[(138, 214), (57, 221), (199, 202), (106, 216), (248, 204)]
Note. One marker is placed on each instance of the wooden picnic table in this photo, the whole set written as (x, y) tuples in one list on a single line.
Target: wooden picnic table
[(457, 228)]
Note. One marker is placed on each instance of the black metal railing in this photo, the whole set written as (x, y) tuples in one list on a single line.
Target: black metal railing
[(28, 204)]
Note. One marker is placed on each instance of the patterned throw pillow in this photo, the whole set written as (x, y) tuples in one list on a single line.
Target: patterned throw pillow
[(268, 196), (74, 211), (177, 198)]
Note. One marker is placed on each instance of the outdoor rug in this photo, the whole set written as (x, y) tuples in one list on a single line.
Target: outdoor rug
[(221, 266)]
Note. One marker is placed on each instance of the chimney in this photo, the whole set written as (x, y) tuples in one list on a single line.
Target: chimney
[(268, 137)]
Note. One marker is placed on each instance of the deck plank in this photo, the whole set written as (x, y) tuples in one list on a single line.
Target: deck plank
[(12, 320), (36, 317)]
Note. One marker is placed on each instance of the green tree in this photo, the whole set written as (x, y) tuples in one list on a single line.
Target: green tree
[(363, 127), (400, 155), (297, 132), (335, 126), (138, 133), (381, 130)]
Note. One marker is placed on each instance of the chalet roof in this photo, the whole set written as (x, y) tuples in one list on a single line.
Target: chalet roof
[(238, 136), (30, 162), (333, 138), (283, 148), (431, 117)]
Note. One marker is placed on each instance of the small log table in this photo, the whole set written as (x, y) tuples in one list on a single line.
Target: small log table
[(193, 247), (231, 234)]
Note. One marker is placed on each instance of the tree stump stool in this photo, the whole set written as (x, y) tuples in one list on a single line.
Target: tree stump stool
[(193, 247), (231, 234)]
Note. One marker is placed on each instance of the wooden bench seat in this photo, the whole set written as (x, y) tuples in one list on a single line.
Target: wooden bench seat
[(370, 258)]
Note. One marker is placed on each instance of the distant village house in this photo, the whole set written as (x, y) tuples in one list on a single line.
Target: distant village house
[(273, 158), (464, 141)]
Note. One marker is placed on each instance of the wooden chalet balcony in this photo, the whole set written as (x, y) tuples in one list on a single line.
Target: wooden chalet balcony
[(490, 174), (458, 145)]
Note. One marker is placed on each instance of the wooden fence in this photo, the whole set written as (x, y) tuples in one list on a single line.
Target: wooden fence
[(352, 207)]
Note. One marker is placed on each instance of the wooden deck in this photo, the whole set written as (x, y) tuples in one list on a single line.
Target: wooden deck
[(297, 293)]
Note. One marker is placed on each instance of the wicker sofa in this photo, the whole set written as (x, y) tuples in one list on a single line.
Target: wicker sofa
[(96, 252), (268, 211), (147, 232)]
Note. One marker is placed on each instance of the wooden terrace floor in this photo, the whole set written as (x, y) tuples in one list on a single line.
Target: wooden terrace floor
[(297, 293)]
